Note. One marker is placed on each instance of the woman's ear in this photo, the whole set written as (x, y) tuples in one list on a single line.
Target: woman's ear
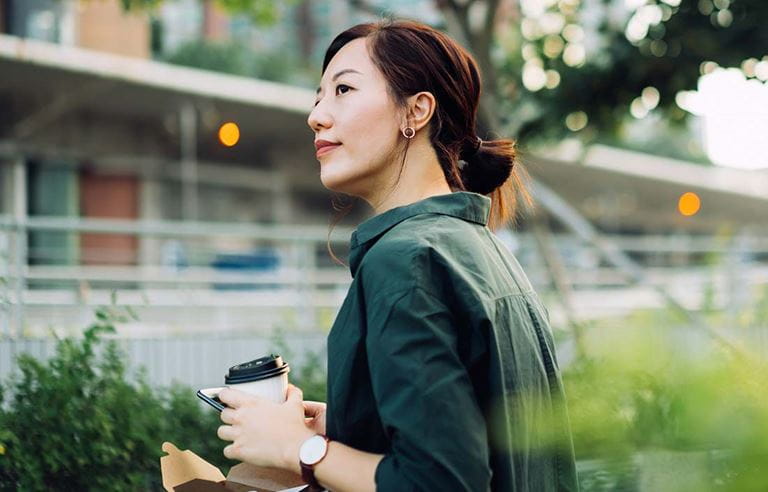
[(421, 107)]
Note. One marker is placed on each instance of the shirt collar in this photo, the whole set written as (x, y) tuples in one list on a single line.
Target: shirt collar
[(466, 205)]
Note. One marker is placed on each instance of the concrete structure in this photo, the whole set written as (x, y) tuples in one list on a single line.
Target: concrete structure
[(125, 140), (626, 191), (153, 128), (114, 115), (101, 25)]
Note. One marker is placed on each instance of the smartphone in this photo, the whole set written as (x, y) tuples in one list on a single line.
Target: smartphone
[(211, 397)]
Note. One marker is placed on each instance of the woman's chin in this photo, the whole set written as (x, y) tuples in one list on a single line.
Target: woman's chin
[(331, 181), (338, 183)]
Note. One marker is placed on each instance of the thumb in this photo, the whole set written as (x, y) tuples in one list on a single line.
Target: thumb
[(295, 395)]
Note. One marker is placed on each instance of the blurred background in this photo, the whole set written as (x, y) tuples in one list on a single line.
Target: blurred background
[(159, 192)]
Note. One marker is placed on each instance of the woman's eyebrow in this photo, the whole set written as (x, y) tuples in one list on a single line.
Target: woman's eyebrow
[(339, 74)]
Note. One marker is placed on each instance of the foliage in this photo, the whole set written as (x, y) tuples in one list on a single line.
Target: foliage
[(233, 58), (653, 384), (310, 376), (668, 57), (653, 393), (79, 422), (261, 12), (229, 58), (620, 62)]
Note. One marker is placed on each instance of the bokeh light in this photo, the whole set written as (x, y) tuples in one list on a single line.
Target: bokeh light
[(732, 108), (534, 76), (573, 33), (638, 109), (229, 134), (761, 69), (553, 46), (689, 204), (650, 97), (576, 121), (553, 79), (574, 55)]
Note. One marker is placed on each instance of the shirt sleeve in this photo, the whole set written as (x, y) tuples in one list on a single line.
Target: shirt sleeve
[(424, 396)]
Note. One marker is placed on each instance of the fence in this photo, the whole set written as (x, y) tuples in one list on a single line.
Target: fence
[(198, 362), (221, 285)]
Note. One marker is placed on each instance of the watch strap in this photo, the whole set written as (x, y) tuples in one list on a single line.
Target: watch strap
[(308, 475), (308, 472)]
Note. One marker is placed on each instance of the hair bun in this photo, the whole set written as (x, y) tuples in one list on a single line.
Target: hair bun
[(488, 167), (471, 150)]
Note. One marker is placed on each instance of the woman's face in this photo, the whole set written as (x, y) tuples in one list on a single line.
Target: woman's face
[(353, 108)]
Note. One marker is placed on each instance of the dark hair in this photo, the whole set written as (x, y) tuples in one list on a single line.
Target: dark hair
[(415, 57)]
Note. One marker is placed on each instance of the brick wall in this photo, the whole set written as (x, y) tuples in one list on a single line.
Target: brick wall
[(104, 26)]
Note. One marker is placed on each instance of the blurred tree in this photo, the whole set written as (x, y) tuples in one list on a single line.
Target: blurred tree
[(261, 12), (587, 65), (219, 57), (557, 67), (233, 58)]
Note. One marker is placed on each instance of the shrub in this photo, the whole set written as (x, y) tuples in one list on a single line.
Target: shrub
[(79, 422), (311, 375), (654, 385)]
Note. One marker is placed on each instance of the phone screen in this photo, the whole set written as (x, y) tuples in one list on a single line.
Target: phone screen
[(211, 397)]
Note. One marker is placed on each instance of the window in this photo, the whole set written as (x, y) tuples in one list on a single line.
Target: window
[(35, 19)]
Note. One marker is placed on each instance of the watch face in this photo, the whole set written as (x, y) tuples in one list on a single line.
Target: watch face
[(313, 450)]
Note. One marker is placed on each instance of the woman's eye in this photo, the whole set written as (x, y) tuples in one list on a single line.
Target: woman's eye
[(341, 85), (337, 90)]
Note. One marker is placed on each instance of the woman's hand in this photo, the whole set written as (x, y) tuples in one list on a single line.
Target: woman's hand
[(262, 432), (314, 411)]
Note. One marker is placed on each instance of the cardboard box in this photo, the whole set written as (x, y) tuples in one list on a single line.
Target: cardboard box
[(184, 471)]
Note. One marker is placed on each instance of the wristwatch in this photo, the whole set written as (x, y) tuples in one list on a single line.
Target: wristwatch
[(312, 452)]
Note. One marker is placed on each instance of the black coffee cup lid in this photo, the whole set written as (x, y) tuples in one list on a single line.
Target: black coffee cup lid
[(256, 370)]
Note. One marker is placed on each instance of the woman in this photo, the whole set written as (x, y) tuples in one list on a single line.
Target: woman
[(441, 365)]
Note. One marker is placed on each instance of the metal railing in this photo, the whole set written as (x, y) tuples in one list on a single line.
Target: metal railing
[(181, 282), (292, 275), (199, 315)]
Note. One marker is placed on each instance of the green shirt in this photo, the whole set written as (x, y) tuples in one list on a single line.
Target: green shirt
[(442, 358)]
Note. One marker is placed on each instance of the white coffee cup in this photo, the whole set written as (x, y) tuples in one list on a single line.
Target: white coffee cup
[(266, 377)]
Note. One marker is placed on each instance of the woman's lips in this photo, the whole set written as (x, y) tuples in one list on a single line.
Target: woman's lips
[(324, 150)]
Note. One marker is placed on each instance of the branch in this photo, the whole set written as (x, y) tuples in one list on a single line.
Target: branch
[(458, 26), (490, 16)]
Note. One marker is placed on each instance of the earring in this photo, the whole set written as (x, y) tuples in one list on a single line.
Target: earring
[(409, 132)]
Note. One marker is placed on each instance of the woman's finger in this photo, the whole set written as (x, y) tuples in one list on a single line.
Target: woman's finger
[(231, 452), (228, 416), (312, 408), (235, 398), (295, 395), (226, 433)]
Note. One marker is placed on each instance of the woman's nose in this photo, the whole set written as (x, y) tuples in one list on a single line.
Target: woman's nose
[(319, 118)]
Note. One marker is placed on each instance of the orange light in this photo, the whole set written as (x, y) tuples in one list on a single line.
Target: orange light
[(689, 204), (229, 134)]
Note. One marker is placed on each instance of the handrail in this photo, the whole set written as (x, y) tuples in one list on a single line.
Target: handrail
[(158, 275), (160, 228), (297, 281), (313, 233)]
